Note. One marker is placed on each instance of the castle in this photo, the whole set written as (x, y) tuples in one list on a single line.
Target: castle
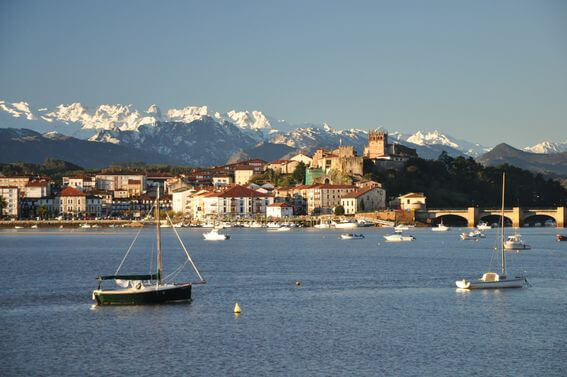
[(378, 148)]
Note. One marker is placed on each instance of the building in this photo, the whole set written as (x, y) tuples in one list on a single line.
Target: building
[(83, 183), (283, 166), (128, 182), (237, 201), (279, 210), (300, 157), (18, 181), (72, 202), (342, 159), (370, 198), (322, 199), (11, 198), (94, 206), (180, 201), (243, 174), (412, 201), (38, 188), (222, 180), (379, 148)]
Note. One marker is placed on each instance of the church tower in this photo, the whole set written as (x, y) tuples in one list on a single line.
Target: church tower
[(377, 144)]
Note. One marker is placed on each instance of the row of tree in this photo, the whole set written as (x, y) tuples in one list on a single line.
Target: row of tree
[(450, 182)]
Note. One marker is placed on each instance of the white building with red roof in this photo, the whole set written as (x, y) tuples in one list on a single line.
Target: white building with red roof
[(279, 210), (364, 199), (236, 201)]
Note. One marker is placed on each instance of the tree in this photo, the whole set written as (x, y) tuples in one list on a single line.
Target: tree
[(339, 210), (298, 174), (42, 211), (3, 204)]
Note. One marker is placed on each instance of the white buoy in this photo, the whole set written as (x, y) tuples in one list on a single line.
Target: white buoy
[(237, 308)]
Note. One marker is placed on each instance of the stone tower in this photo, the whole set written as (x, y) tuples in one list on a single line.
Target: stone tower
[(377, 144)]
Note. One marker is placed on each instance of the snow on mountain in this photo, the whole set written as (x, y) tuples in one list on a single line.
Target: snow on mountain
[(123, 124), (437, 138), (548, 147)]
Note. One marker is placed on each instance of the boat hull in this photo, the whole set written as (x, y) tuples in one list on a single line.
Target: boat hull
[(178, 292), (480, 284)]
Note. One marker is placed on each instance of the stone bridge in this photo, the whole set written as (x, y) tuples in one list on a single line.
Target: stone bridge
[(517, 215)]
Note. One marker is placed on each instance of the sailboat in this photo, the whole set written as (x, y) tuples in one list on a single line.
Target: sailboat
[(150, 288), (493, 280)]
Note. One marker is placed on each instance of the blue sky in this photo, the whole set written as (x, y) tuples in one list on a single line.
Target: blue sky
[(486, 71)]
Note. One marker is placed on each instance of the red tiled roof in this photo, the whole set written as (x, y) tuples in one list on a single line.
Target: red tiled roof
[(357, 193), (134, 181), (70, 191), (280, 162), (39, 183), (278, 205), (331, 187), (413, 195)]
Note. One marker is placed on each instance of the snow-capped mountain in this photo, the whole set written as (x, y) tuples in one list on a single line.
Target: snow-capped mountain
[(548, 147), (199, 135)]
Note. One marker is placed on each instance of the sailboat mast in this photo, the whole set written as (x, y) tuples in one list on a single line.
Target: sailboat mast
[(158, 239), (502, 259)]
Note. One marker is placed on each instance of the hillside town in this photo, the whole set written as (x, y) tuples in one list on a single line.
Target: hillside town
[(327, 182)]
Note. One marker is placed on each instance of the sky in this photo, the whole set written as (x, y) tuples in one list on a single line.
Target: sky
[(485, 71)]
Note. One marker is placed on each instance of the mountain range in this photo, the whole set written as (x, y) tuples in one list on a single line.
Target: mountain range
[(200, 136)]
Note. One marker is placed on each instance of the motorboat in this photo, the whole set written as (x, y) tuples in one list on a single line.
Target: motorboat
[(483, 226), (273, 225), (515, 242), (283, 228), (346, 224), (398, 237), (440, 228), (472, 235), (494, 280), (18, 227), (364, 223), (85, 226), (561, 237), (214, 235), (351, 236), (256, 225), (34, 226)]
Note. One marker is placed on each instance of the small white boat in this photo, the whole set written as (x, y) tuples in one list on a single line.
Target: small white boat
[(346, 225), (112, 226), (351, 236), (214, 235), (400, 228), (440, 228), (273, 225), (18, 227), (472, 235), (322, 226), (515, 242), (95, 226), (398, 237), (483, 226), (85, 226), (34, 226), (283, 229), (493, 280), (256, 225), (178, 225)]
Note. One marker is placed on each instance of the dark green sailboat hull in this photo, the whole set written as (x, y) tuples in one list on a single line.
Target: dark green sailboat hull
[(181, 292)]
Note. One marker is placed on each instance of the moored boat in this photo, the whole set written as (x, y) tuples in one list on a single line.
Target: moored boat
[(440, 227), (515, 242), (472, 235), (137, 289), (493, 280), (346, 224), (351, 236), (561, 237), (483, 226), (398, 237), (214, 235)]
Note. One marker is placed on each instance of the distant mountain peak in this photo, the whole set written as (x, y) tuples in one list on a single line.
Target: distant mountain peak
[(548, 147)]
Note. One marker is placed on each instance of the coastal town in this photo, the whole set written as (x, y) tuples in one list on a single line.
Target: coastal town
[(329, 182)]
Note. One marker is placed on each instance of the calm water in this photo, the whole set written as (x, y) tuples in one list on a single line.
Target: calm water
[(365, 307)]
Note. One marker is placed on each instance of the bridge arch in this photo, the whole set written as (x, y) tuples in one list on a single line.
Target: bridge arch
[(496, 219), (450, 220), (541, 219)]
